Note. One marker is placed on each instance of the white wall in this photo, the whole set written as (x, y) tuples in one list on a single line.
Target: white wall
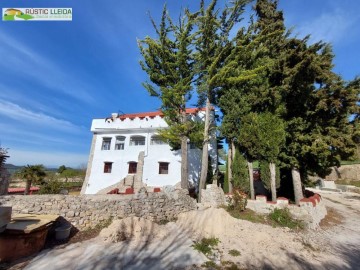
[(153, 154)]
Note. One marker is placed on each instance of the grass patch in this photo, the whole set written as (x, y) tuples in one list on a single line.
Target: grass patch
[(71, 184), (349, 162), (248, 215), (283, 218), (277, 218), (348, 182), (234, 252), (210, 265), (205, 245)]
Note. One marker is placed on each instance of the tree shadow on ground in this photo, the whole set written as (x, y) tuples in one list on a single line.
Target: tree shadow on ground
[(169, 250)]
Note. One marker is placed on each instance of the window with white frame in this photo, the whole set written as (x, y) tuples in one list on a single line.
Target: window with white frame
[(157, 140), (120, 143), (137, 140), (106, 144)]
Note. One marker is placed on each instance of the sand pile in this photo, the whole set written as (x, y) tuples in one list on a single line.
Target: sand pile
[(131, 228)]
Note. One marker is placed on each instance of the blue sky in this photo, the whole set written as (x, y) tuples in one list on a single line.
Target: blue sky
[(55, 77)]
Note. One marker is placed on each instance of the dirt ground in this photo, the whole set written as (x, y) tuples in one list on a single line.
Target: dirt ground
[(135, 243)]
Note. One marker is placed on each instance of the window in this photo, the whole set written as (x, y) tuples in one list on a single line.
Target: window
[(163, 167), (192, 146), (157, 140), (137, 140), (132, 167), (107, 167), (120, 143), (106, 144)]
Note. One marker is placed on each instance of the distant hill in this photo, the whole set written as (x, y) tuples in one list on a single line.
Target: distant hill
[(12, 168)]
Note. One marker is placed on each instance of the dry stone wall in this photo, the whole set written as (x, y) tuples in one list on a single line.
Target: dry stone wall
[(311, 210), (89, 210)]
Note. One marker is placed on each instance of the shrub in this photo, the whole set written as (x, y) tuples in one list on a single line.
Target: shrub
[(50, 186), (205, 245), (238, 201), (283, 218)]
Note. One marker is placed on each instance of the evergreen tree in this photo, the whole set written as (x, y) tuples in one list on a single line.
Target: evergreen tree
[(169, 62), (212, 47), (240, 173)]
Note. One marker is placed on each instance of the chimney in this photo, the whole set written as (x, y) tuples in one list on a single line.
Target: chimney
[(114, 116)]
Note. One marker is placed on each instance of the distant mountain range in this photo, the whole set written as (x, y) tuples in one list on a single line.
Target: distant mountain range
[(14, 168)]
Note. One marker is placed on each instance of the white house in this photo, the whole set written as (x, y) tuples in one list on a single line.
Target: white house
[(127, 152)]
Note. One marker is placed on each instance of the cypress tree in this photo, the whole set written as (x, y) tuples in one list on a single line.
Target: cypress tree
[(168, 60)]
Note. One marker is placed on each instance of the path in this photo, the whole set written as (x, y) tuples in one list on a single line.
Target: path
[(335, 246)]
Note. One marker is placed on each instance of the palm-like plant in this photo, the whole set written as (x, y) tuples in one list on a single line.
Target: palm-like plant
[(32, 174)]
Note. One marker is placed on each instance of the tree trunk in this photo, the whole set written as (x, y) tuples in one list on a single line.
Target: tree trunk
[(230, 159), (184, 162), (205, 150), (27, 187), (295, 173), (272, 181), (251, 178)]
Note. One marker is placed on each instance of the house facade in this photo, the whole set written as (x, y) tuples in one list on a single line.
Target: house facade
[(127, 150)]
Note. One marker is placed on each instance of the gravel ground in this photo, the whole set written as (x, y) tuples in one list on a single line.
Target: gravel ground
[(336, 245)]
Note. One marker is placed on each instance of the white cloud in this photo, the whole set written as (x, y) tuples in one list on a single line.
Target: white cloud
[(330, 27), (49, 159), (20, 114), (24, 61)]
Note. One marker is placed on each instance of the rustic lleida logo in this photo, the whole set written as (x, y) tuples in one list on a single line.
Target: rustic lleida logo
[(37, 14), (12, 14)]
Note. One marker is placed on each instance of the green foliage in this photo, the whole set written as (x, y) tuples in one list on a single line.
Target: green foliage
[(234, 252), (238, 201), (205, 245), (262, 135), (283, 218), (248, 215), (33, 174), (69, 173), (51, 185), (61, 169), (210, 265), (265, 174), (240, 173)]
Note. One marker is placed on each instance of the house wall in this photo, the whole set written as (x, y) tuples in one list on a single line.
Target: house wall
[(147, 127)]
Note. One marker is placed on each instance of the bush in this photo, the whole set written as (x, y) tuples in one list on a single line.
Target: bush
[(283, 218), (50, 186), (206, 244), (238, 201)]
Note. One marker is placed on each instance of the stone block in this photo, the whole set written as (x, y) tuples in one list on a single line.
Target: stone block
[(70, 214)]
